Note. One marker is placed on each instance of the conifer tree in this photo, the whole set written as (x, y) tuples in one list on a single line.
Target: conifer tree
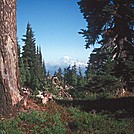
[(19, 53), (70, 75), (32, 66), (44, 69), (22, 73), (40, 69), (48, 75), (80, 79), (29, 58), (60, 75), (67, 75), (112, 20), (74, 76), (29, 49), (99, 72)]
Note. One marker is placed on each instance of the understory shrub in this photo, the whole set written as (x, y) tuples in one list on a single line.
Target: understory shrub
[(98, 123), (39, 122)]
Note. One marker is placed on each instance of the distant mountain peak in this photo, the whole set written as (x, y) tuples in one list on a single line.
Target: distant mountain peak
[(66, 61), (63, 63)]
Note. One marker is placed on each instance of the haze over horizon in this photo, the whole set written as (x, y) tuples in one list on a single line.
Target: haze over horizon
[(56, 25)]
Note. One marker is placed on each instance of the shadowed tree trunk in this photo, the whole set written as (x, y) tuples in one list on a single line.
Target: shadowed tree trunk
[(9, 93)]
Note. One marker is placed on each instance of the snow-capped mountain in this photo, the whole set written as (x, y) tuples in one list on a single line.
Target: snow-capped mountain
[(66, 61), (63, 63)]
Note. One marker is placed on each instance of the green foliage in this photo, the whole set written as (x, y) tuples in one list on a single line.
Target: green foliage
[(87, 94), (80, 79), (23, 73), (110, 23), (55, 125), (33, 71), (103, 83), (74, 77), (78, 93), (66, 120), (33, 117), (99, 72), (98, 123), (31, 65), (43, 122), (67, 75), (103, 15), (102, 73), (10, 126)]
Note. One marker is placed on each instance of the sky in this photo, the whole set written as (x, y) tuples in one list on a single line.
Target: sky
[(56, 24)]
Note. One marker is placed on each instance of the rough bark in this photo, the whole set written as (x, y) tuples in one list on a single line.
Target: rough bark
[(9, 93)]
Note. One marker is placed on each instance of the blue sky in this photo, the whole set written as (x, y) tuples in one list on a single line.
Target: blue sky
[(56, 24)]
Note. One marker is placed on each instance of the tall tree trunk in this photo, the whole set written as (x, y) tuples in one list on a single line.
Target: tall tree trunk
[(9, 93)]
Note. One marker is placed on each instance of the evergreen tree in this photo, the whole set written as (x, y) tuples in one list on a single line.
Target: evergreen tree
[(67, 75), (22, 71), (60, 76), (59, 73), (29, 49), (19, 53), (80, 79), (40, 56), (44, 69), (55, 73), (40, 69), (74, 76), (70, 75), (48, 75), (112, 20), (99, 72), (32, 66), (30, 59)]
